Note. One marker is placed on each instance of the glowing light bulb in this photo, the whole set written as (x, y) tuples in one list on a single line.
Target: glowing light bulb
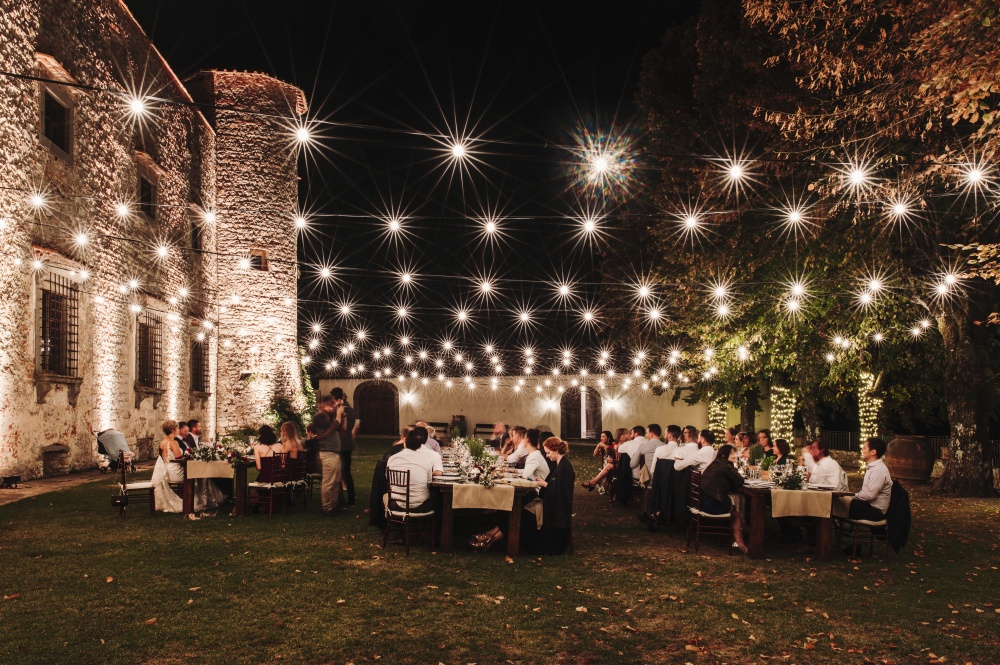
[(950, 279), (406, 278), (123, 210), (325, 272), (81, 239), (743, 352), (137, 106), (793, 305), (37, 201), (458, 150), (209, 217), (300, 222), (244, 264), (303, 135), (588, 316), (564, 290), (162, 251)]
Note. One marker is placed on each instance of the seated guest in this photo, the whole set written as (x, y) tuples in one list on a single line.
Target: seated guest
[(610, 458), (500, 438), (718, 481), (667, 450), (557, 509), (536, 467), (743, 445), (605, 442), (193, 438), (826, 472), (645, 450), (432, 443), (636, 436), (872, 502), (266, 446), (781, 452), (518, 436), (181, 437), (291, 440), (730, 434), (765, 441), (687, 450), (806, 458), (376, 509), (421, 468), (700, 460), (690, 434)]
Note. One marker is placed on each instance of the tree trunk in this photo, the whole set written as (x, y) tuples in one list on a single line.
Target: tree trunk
[(968, 392), (810, 420), (749, 409)]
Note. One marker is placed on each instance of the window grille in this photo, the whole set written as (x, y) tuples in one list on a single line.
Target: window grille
[(199, 367), (149, 350), (258, 260), (55, 121), (59, 335)]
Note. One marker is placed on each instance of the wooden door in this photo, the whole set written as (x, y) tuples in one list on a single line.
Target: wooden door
[(376, 405)]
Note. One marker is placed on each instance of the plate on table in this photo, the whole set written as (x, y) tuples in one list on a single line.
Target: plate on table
[(821, 488)]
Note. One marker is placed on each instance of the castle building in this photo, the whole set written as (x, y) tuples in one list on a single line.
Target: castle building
[(147, 228)]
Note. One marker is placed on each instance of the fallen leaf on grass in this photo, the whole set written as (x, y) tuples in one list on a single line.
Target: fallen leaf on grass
[(341, 601), (631, 629), (581, 609), (691, 647), (508, 559), (12, 596), (110, 579), (150, 621), (195, 588)]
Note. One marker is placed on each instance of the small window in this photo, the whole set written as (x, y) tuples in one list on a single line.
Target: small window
[(199, 366), (258, 260), (147, 198), (55, 121), (149, 350), (196, 236), (58, 330)]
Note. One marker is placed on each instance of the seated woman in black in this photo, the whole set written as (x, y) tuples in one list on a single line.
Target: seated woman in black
[(718, 481), (781, 452), (557, 509)]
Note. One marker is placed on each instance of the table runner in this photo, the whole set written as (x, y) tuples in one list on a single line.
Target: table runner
[(498, 497), (196, 469), (800, 503)]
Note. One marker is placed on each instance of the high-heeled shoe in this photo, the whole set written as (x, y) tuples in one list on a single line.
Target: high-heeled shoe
[(486, 543), (589, 485)]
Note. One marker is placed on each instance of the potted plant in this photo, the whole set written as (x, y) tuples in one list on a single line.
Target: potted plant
[(766, 463)]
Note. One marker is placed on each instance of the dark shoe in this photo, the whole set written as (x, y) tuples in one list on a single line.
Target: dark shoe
[(486, 543), (589, 485)]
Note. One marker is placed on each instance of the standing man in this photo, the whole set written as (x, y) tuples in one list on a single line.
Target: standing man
[(346, 442), (328, 429)]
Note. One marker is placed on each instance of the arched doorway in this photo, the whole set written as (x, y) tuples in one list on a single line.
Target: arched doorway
[(581, 414), (376, 405)]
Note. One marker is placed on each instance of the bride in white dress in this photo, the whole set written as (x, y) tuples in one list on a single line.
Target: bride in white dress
[(165, 472)]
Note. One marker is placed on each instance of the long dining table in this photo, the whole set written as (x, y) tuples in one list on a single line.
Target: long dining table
[(446, 516), (759, 498)]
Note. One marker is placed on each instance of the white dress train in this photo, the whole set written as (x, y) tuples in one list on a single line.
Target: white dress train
[(165, 473)]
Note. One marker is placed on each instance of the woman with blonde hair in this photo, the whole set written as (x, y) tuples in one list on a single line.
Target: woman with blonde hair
[(166, 472), (291, 439)]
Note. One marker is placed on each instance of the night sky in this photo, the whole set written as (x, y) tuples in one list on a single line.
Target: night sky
[(527, 77)]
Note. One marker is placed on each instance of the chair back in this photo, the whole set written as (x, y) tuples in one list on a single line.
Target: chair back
[(399, 487), (273, 468), (694, 497), (122, 471)]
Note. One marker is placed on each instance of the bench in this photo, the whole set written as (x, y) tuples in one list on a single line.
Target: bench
[(442, 432), (483, 431)]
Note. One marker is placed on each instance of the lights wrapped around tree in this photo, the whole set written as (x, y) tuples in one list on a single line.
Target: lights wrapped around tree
[(868, 406), (717, 412), (782, 413)]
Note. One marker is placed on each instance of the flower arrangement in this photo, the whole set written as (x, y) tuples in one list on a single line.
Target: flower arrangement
[(792, 479), (766, 463), (230, 452), (479, 460)]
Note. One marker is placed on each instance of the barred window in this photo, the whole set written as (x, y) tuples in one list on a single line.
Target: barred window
[(199, 367), (258, 259), (58, 336), (149, 350), (55, 121)]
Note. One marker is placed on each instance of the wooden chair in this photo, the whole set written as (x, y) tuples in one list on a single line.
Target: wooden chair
[(138, 490), (874, 531), (297, 480), (398, 496), (270, 487), (701, 522)]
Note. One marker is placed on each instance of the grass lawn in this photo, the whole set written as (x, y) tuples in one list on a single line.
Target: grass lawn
[(79, 587)]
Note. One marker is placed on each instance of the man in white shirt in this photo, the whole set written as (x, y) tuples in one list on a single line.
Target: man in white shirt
[(667, 450), (699, 460), (419, 462), (872, 501), (637, 434), (686, 451), (826, 472), (647, 447), (518, 436)]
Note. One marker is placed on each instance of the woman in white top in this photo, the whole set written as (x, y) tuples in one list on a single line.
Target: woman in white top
[(536, 467), (165, 472)]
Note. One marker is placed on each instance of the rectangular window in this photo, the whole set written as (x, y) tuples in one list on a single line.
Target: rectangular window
[(196, 236), (258, 259), (149, 350), (55, 121), (199, 367), (58, 334), (147, 198)]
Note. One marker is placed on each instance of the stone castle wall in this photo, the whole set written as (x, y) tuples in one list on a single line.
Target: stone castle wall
[(98, 43)]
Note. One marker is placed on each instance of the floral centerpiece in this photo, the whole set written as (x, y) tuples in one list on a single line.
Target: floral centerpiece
[(478, 460), (792, 479), (226, 451)]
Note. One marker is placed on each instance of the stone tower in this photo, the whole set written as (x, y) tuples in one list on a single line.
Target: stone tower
[(256, 200)]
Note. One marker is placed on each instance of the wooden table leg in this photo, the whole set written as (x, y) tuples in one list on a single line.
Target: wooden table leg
[(823, 538), (240, 490), (514, 530), (188, 496), (447, 521), (756, 524)]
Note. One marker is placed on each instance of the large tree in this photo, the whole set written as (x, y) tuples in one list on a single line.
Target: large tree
[(851, 185)]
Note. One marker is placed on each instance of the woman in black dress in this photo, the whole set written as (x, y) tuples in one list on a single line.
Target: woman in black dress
[(718, 481), (557, 501)]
